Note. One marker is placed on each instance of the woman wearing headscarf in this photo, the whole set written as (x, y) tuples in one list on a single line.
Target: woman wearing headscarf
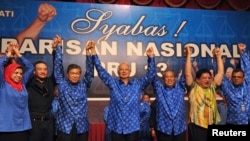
[(14, 115)]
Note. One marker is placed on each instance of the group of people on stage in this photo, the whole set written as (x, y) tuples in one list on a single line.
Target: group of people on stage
[(36, 107), (28, 101)]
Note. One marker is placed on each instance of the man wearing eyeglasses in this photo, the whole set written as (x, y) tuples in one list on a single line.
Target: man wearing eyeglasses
[(237, 91)]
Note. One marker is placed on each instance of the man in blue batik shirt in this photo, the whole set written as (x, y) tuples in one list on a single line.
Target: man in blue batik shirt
[(237, 91), (71, 118), (171, 116), (124, 114)]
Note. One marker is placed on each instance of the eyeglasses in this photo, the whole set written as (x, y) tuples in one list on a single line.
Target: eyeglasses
[(237, 76)]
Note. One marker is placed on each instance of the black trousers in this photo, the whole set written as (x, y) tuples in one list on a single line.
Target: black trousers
[(165, 137), (134, 136), (14, 136), (196, 133), (42, 130), (73, 136)]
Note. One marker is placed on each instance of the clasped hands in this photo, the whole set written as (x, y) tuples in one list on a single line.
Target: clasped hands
[(12, 50), (90, 46)]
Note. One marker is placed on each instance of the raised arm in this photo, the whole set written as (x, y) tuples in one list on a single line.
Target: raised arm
[(188, 66), (5, 58), (58, 61), (46, 12), (89, 74), (244, 61), (103, 74), (52, 76), (29, 68), (151, 70), (220, 66), (91, 48)]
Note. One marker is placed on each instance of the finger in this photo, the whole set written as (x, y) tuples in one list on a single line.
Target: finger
[(52, 10), (40, 9), (90, 44), (46, 8)]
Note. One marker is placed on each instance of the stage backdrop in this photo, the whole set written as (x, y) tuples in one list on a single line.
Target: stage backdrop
[(123, 33)]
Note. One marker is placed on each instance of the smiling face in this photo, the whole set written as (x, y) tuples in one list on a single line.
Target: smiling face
[(124, 71), (74, 75), (17, 75), (205, 80), (169, 78)]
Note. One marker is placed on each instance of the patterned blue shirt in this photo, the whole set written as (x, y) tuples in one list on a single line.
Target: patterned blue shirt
[(124, 116), (72, 98), (171, 113), (238, 95), (144, 115)]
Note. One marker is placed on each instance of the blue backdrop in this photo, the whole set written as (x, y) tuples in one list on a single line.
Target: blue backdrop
[(123, 33)]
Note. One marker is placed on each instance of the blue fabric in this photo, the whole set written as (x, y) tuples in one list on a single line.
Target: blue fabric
[(55, 107), (236, 95), (222, 108), (144, 134), (124, 116), (14, 113), (221, 105), (105, 114), (171, 109), (72, 97), (107, 136)]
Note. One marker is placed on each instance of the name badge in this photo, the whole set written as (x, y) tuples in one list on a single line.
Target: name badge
[(243, 107)]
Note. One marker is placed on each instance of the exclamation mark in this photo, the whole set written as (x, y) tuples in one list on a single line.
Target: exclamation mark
[(180, 28)]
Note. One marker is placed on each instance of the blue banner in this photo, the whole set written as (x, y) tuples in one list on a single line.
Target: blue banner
[(123, 33)]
